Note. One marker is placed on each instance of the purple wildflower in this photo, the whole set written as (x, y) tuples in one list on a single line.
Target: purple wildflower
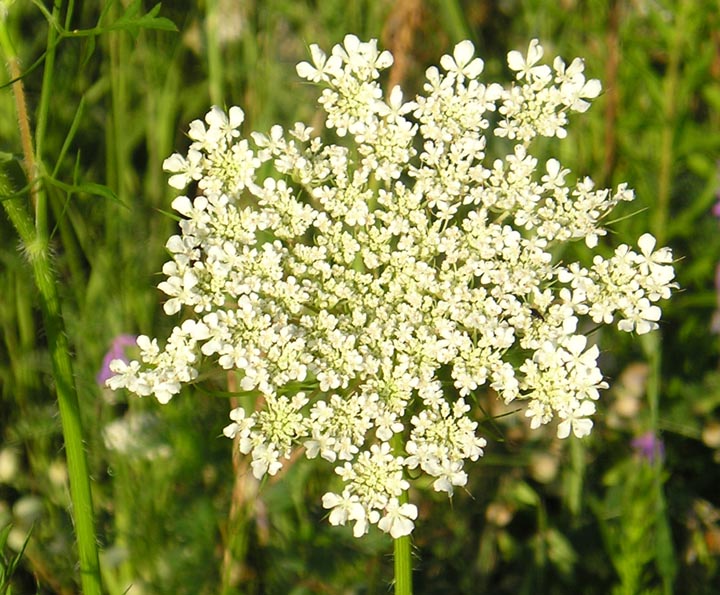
[(715, 321), (716, 206), (648, 447), (116, 351)]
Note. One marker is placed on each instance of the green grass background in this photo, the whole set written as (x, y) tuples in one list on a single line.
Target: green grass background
[(538, 516)]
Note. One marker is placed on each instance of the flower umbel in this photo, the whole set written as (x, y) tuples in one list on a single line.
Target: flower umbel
[(368, 290)]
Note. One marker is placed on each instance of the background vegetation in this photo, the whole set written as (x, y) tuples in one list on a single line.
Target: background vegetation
[(633, 509)]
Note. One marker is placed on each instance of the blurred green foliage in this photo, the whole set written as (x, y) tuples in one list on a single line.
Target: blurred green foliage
[(176, 514)]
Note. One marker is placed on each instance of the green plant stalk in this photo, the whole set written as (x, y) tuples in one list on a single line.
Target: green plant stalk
[(46, 89), (668, 139), (38, 253), (13, 67), (41, 224), (575, 475), (452, 13), (118, 150), (667, 565), (664, 555), (403, 563), (255, 103), (34, 238), (214, 53), (401, 546)]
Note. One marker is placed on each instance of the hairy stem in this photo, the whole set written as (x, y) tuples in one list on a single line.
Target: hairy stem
[(38, 253), (35, 242)]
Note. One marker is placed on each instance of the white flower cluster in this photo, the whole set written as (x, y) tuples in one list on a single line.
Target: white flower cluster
[(367, 290)]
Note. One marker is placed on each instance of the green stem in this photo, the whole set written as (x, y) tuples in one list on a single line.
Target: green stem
[(13, 66), (38, 253), (651, 346), (401, 545), (453, 15), (652, 343), (34, 238), (41, 207), (665, 554), (403, 566), (668, 140), (214, 53), (46, 89)]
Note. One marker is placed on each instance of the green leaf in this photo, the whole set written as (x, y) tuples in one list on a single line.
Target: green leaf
[(560, 551), (8, 566), (132, 21), (711, 94), (522, 493), (70, 135), (87, 188)]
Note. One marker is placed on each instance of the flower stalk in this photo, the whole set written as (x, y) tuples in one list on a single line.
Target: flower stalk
[(403, 565), (34, 238), (402, 554), (39, 256)]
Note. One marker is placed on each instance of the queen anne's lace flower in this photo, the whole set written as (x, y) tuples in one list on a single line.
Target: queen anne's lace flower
[(367, 292)]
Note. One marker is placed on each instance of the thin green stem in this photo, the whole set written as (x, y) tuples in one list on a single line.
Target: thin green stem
[(13, 65), (214, 52), (452, 13), (671, 85), (403, 566), (38, 253), (665, 554), (574, 478), (401, 545), (47, 83), (651, 345), (34, 238)]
